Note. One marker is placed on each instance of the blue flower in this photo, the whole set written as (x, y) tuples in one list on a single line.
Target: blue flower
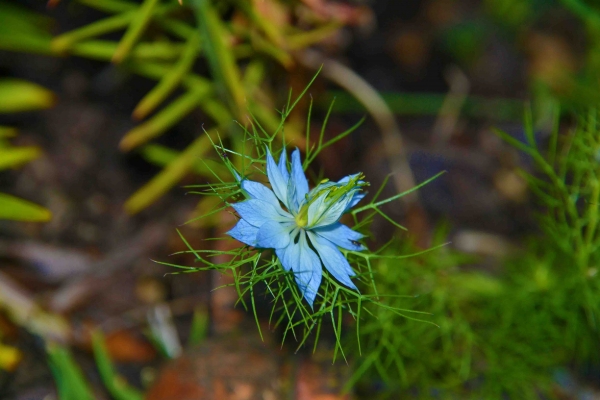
[(305, 232)]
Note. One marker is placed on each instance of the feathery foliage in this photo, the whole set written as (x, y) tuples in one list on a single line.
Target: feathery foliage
[(259, 273), (501, 335)]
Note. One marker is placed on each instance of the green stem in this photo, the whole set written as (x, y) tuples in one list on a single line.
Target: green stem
[(170, 175), (136, 29), (583, 11), (110, 6), (63, 43), (103, 50), (162, 121)]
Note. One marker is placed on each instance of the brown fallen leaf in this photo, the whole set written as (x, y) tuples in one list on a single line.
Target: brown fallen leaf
[(240, 366), (229, 367), (347, 14), (52, 3), (319, 379), (124, 346)]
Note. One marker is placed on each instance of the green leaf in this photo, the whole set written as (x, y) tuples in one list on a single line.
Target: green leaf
[(18, 95), (63, 43), (163, 156), (219, 54), (116, 384), (169, 81), (70, 382), (11, 157), (169, 176), (110, 6), (17, 209), (500, 109), (7, 132), (199, 329), (103, 50), (137, 26), (163, 120), (24, 31)]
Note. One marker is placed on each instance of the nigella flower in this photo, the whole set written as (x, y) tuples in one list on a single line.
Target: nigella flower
[(305, 232)]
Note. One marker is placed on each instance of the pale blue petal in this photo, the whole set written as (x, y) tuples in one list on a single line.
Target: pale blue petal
[(277, 180), (356, 197), (316, 209), (281, 255), (306, 265), (283, 166), (257, 212), (259, 191), (324, 214), (340, 235), (244, 232), (274, 235), (293, 204), (298, 178), (294, 207), (333, 259)]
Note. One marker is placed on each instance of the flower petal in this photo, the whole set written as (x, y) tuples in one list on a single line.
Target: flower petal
[(277, 180), (298, 178), (257, 212), (357, 194), (305, 263), (259, 191), (333, 259), (281, 255), (294, 207), (323, 213), (274, 235), (283, 165), (356, 197), (340, 235), (316, 209), (244, 232)]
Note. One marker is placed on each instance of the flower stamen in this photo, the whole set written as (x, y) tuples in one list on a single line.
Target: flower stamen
[(302, 217)]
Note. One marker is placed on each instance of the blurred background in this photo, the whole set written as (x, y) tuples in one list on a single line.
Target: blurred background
[(107, 111)]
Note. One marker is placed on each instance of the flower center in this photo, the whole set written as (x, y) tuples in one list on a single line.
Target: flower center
[(302, 217)]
